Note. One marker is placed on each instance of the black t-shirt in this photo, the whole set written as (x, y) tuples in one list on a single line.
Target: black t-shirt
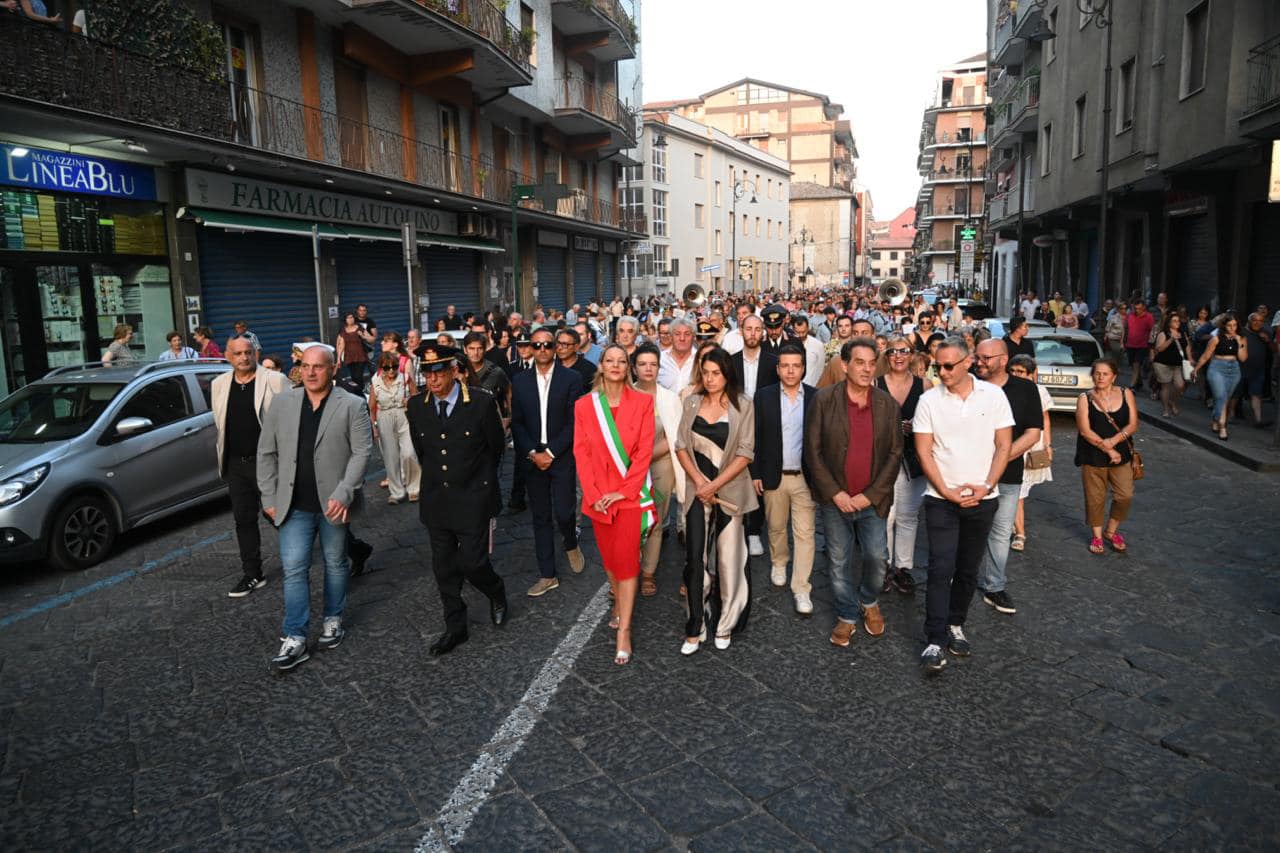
[(369, 326), (242, 427), (1024, 400), (306, 494), (452, 324), (1024, 348), (586, 370)]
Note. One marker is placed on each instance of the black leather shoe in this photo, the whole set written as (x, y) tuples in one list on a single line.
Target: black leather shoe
[(447, 643), (359, 552), (498, 611)]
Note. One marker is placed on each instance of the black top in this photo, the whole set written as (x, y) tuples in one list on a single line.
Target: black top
[(1087, 454), (242, 427), (1024, 400), (497, 356), (586, 370), (495, 380), (1024, 348), (717, 432), (306, 494), (1227, 345), (452, 324), (908, 409), (1170, 355)]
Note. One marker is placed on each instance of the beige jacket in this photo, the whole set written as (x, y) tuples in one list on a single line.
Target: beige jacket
[(267, 384), (742, 442)]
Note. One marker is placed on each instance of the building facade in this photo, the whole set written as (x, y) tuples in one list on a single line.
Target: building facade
[(892, 252), (322, 155), (952, 163), (1179, 145), (713, 204), (824, 237)]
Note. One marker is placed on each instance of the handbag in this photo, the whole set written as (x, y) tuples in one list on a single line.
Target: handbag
[(1135, 461), (1188, 369), (1037, 459)]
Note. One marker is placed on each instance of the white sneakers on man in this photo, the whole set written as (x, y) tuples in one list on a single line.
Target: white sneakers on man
[(755, 547), (778, 576), (804, 605)]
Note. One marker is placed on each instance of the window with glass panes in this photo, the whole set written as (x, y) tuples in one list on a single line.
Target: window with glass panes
[(659, 213), (658, 156)]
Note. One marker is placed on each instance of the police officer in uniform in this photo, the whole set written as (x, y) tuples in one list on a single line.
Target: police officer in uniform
[(457, 434), (775, 334)]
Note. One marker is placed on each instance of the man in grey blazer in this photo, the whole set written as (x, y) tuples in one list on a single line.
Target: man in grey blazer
[(312, 458)]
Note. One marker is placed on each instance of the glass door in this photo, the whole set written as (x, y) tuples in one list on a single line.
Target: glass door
[(62, 313)]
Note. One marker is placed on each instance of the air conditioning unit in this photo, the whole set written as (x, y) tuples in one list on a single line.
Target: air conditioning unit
[(488, 228), (471, 225)]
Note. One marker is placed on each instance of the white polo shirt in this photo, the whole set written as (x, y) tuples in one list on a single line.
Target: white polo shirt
[(964, 432)]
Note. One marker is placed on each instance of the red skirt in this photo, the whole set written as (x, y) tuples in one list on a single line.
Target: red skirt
[(619, 543)]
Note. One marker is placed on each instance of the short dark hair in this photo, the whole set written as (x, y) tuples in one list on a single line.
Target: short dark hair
[(475, 338), (791, 348), (569, 332), (846, 351), (645, 348), (1016, 322)]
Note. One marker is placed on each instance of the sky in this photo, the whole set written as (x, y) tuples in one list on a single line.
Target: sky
[(878, 59)]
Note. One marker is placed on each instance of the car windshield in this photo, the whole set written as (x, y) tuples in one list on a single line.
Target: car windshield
[(53, 411), (1065, 352)]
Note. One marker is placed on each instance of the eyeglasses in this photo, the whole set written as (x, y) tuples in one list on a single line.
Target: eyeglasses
[(543, 345), (900, 351), (565, 343), (952, 366), (986, 358)]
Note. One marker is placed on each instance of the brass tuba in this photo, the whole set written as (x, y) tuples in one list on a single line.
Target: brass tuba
[(693, 296), (893, 291)]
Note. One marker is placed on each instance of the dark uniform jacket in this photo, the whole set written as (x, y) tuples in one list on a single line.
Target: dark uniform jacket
[(459, 458)]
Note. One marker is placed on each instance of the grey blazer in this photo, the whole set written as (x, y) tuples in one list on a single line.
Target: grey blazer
[(742, 442), (343, 443)]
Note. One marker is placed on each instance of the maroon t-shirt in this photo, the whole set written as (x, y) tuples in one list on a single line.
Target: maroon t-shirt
[(857, 460)]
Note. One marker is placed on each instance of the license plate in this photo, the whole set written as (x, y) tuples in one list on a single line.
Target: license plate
[(1058, 379)]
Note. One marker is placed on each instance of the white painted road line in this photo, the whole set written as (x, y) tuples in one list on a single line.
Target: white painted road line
[(472, 791)]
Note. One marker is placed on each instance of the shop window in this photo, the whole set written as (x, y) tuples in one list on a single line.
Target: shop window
[(136, 294)]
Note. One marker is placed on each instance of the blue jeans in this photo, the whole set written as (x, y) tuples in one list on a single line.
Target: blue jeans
[(991, 574), (297, 537), (868, 533), (1223, 376)]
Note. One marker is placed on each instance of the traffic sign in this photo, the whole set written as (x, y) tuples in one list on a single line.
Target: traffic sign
[(642, 248), (709, 268), (966, 247)]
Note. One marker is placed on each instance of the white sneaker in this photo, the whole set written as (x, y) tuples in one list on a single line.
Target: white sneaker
[(332, 635), (754, 546), (804, 605), (778, 576)]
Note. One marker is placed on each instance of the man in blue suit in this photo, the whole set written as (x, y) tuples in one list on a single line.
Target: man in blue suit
[(542, 402)]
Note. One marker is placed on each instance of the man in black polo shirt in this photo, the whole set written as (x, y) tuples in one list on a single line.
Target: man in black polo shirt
[(1028, 422), (567, 343)]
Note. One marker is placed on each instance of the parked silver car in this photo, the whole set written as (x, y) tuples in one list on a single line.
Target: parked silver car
[(1064, 360), (88, 452)]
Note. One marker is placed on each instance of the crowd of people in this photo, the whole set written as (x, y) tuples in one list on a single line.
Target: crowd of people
[(757, 420)]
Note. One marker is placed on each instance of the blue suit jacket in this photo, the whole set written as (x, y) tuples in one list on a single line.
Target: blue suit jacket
[(526, 415)]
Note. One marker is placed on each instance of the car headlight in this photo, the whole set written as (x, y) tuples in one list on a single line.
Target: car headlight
[(16, 488)]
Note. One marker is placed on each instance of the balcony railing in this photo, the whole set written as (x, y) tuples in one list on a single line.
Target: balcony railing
[(941, 246), (945, 210), (577, 93), (957, 138), (489, 22), (612, 10), (1024, 96), (50, 65), (634, 220), (1264, 76), (961, 174), (277, 124)]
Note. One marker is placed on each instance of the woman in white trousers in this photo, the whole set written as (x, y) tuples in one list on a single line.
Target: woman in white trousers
[(387, 398)]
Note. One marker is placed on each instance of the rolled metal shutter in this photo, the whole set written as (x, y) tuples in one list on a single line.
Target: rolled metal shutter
[(609, 280), (551, 276), (584, 277), (1264, 272), (267, 280), (451, 280), (372, 272), (1195, 272)]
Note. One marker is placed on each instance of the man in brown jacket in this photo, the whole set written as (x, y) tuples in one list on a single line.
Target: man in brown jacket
[(853, 446)]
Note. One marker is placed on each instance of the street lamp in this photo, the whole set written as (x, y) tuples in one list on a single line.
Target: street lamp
[(739, 190), (804, 241)]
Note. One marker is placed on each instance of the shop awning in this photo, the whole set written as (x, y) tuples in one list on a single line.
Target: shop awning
[(249, 222), (458, 242)]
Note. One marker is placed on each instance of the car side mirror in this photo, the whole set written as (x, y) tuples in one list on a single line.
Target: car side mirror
[(133, 426)]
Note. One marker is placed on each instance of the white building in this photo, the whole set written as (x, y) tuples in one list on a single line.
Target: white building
[(710, 199)]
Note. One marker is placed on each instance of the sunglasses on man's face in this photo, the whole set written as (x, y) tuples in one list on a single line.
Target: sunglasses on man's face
[(543, 345), (952, 366)]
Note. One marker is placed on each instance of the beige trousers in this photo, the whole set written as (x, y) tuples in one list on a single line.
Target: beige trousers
[(664, 481), (792, 501), (397, 453), (1096, 480)]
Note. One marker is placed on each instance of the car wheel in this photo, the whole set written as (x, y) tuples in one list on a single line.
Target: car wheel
[(83, 532)]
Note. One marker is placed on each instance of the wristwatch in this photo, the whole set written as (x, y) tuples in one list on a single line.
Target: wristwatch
[(988, 486)]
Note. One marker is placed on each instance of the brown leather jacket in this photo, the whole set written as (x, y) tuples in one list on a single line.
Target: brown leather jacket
[(826, 442)]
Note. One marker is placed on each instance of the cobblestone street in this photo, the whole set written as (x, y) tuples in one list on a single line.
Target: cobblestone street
[(1132, 702)]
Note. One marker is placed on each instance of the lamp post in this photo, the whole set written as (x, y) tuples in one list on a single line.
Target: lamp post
[(739, 190)]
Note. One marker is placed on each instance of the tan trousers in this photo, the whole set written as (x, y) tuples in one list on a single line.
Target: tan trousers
[(1096, 480), (664, 480), (792, 501)]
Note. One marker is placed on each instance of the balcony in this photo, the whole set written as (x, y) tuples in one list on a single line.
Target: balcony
[(584, 109), (938, 247), (1029, 16), (52, 66), (943, 175), (1261, 117), (601, 28), (952, 102), (957, 139), (635, 221), (490, 51), (271, 123), (947, 211), (1004, 204), (1018, 114), (1007, 49)]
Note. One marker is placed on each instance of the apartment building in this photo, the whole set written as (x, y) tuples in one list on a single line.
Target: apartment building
[(892, 253), (279, 162), (825, 224), (952, 163), (1180, 146), (802, 127), (713, 205)]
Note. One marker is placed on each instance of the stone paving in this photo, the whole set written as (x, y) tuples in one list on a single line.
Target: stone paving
[(1131, 703)]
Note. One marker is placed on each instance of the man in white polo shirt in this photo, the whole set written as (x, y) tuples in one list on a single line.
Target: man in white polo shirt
[(963, 431)]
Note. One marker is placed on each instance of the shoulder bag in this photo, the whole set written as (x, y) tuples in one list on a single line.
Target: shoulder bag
[(1139, 470), (1187, 367), (1037, 459)]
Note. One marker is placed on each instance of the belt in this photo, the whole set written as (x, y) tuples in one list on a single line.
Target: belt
[(795, 471)]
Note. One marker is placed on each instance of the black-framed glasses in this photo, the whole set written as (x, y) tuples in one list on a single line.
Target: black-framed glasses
[(542, 344)]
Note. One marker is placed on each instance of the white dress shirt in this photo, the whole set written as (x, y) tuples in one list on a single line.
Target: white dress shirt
[(750, 373), (544, 393), (732, 342), (672, 375), (815, 360)]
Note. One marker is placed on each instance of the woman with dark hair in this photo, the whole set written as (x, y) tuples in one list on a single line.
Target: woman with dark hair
[(1172, 347), (1224, 354), (714, 445), (1106, 421), (612, 446), (349, 349), (388, 396)]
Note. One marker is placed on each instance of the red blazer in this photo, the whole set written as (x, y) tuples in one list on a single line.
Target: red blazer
[(597, 471)]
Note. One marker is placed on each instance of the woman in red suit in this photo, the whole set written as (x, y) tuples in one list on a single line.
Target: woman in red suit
[(613, 444)]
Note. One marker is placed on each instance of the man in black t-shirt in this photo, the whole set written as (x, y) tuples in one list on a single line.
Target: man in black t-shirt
[(452, 322), (368, 327), (1016, 339), (1028, 422)]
